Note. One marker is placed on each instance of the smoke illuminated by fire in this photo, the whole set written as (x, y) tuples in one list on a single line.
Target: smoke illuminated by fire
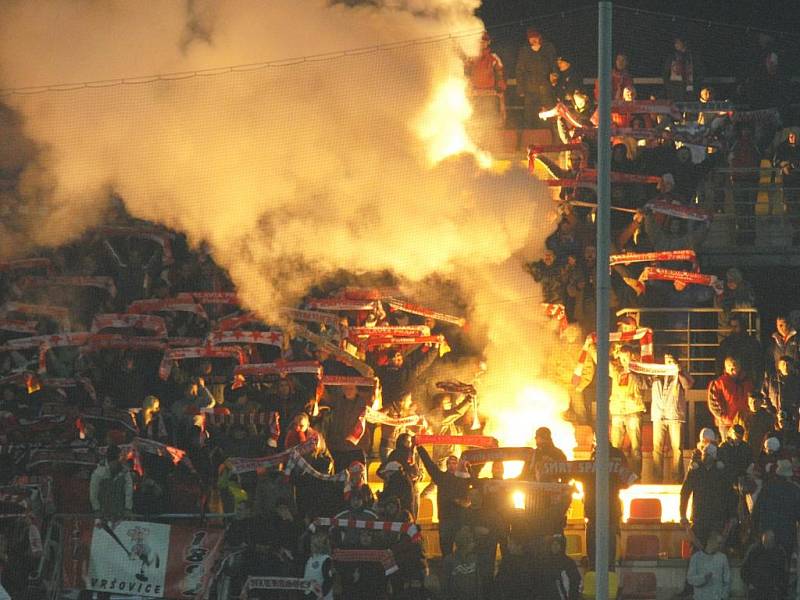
[(290, 172), (442, 125)]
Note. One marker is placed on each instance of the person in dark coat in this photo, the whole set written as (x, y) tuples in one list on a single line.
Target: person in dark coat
[(615, 458), (735, 453), (782, 388), (760, 422), (713, 500), (535, 62), (742, 346), (783, 342), (546, 451), (515, 577), (764, 569), (777, 507), (556, 575), (452, 498)]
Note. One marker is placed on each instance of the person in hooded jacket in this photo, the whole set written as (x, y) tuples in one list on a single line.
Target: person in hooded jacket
[(556, 574), (713, 501)]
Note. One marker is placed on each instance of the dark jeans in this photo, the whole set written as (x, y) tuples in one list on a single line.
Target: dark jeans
[(534, 102)]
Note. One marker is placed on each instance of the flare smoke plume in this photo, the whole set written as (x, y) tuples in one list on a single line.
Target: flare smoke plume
[(289, 172)]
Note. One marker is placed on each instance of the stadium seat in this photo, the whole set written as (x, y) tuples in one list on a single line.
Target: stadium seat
[(687, 549), (638, 585), (590, 587), (642, 547), (645, 510)]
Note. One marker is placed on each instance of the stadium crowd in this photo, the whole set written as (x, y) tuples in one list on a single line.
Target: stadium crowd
[(134, 383)]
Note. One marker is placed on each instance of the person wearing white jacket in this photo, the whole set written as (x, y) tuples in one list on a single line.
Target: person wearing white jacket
[(709, 572)]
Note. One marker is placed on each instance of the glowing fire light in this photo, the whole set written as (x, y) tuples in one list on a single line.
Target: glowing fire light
[(518, 498), (668, 495), (514, 418), (442, 124)]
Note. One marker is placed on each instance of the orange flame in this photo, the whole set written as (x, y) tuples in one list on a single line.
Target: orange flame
[(442, 124)]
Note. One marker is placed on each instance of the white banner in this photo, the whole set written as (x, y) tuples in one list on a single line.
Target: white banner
[(129, 557)]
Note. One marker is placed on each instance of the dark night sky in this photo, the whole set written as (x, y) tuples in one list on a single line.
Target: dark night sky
[(782, 15)]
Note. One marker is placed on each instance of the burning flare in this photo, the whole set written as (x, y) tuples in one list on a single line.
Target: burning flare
[(442, 124)]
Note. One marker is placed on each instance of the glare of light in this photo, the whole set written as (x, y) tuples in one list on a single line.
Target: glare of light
[(668, 495), (442, 125), (515, 412), (578, 493), (518, 498)]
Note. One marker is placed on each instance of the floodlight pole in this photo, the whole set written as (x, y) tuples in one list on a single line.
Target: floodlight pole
[(603, 291)]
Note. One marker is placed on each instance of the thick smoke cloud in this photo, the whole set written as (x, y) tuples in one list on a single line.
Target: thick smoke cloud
[(289, 172)]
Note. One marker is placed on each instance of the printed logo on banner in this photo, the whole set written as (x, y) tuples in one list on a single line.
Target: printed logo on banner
[(129, 557)]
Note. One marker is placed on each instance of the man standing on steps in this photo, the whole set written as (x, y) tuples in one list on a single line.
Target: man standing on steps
[(535, 62)]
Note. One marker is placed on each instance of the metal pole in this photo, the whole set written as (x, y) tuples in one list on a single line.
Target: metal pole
[(603, 291)]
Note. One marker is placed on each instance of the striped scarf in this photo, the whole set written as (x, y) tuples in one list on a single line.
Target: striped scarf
[(279, 583), (643, 335), (385, 557), (409, 529), (558, 314), (670, 255)]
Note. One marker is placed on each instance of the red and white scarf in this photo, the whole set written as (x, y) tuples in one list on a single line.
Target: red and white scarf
[(385, 557), (411, 330), (652, 107), (653, 369), (558, 313), (655, 273), (338, 353), (643, 335), (679, 211), (152, 323), (175, 354), (343, 380), (664, 256), (209, 297), (415, 309), (297, 462), (400, 340), (337, 304), (480, 441), (309, 316), (409, 529), (354, 293), (239, 336), (379, 418), (167, 305), (281, 368), (243, 465), (237, 322)]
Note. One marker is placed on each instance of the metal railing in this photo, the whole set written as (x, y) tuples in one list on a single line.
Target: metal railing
[(692, 335), (750, 206)]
